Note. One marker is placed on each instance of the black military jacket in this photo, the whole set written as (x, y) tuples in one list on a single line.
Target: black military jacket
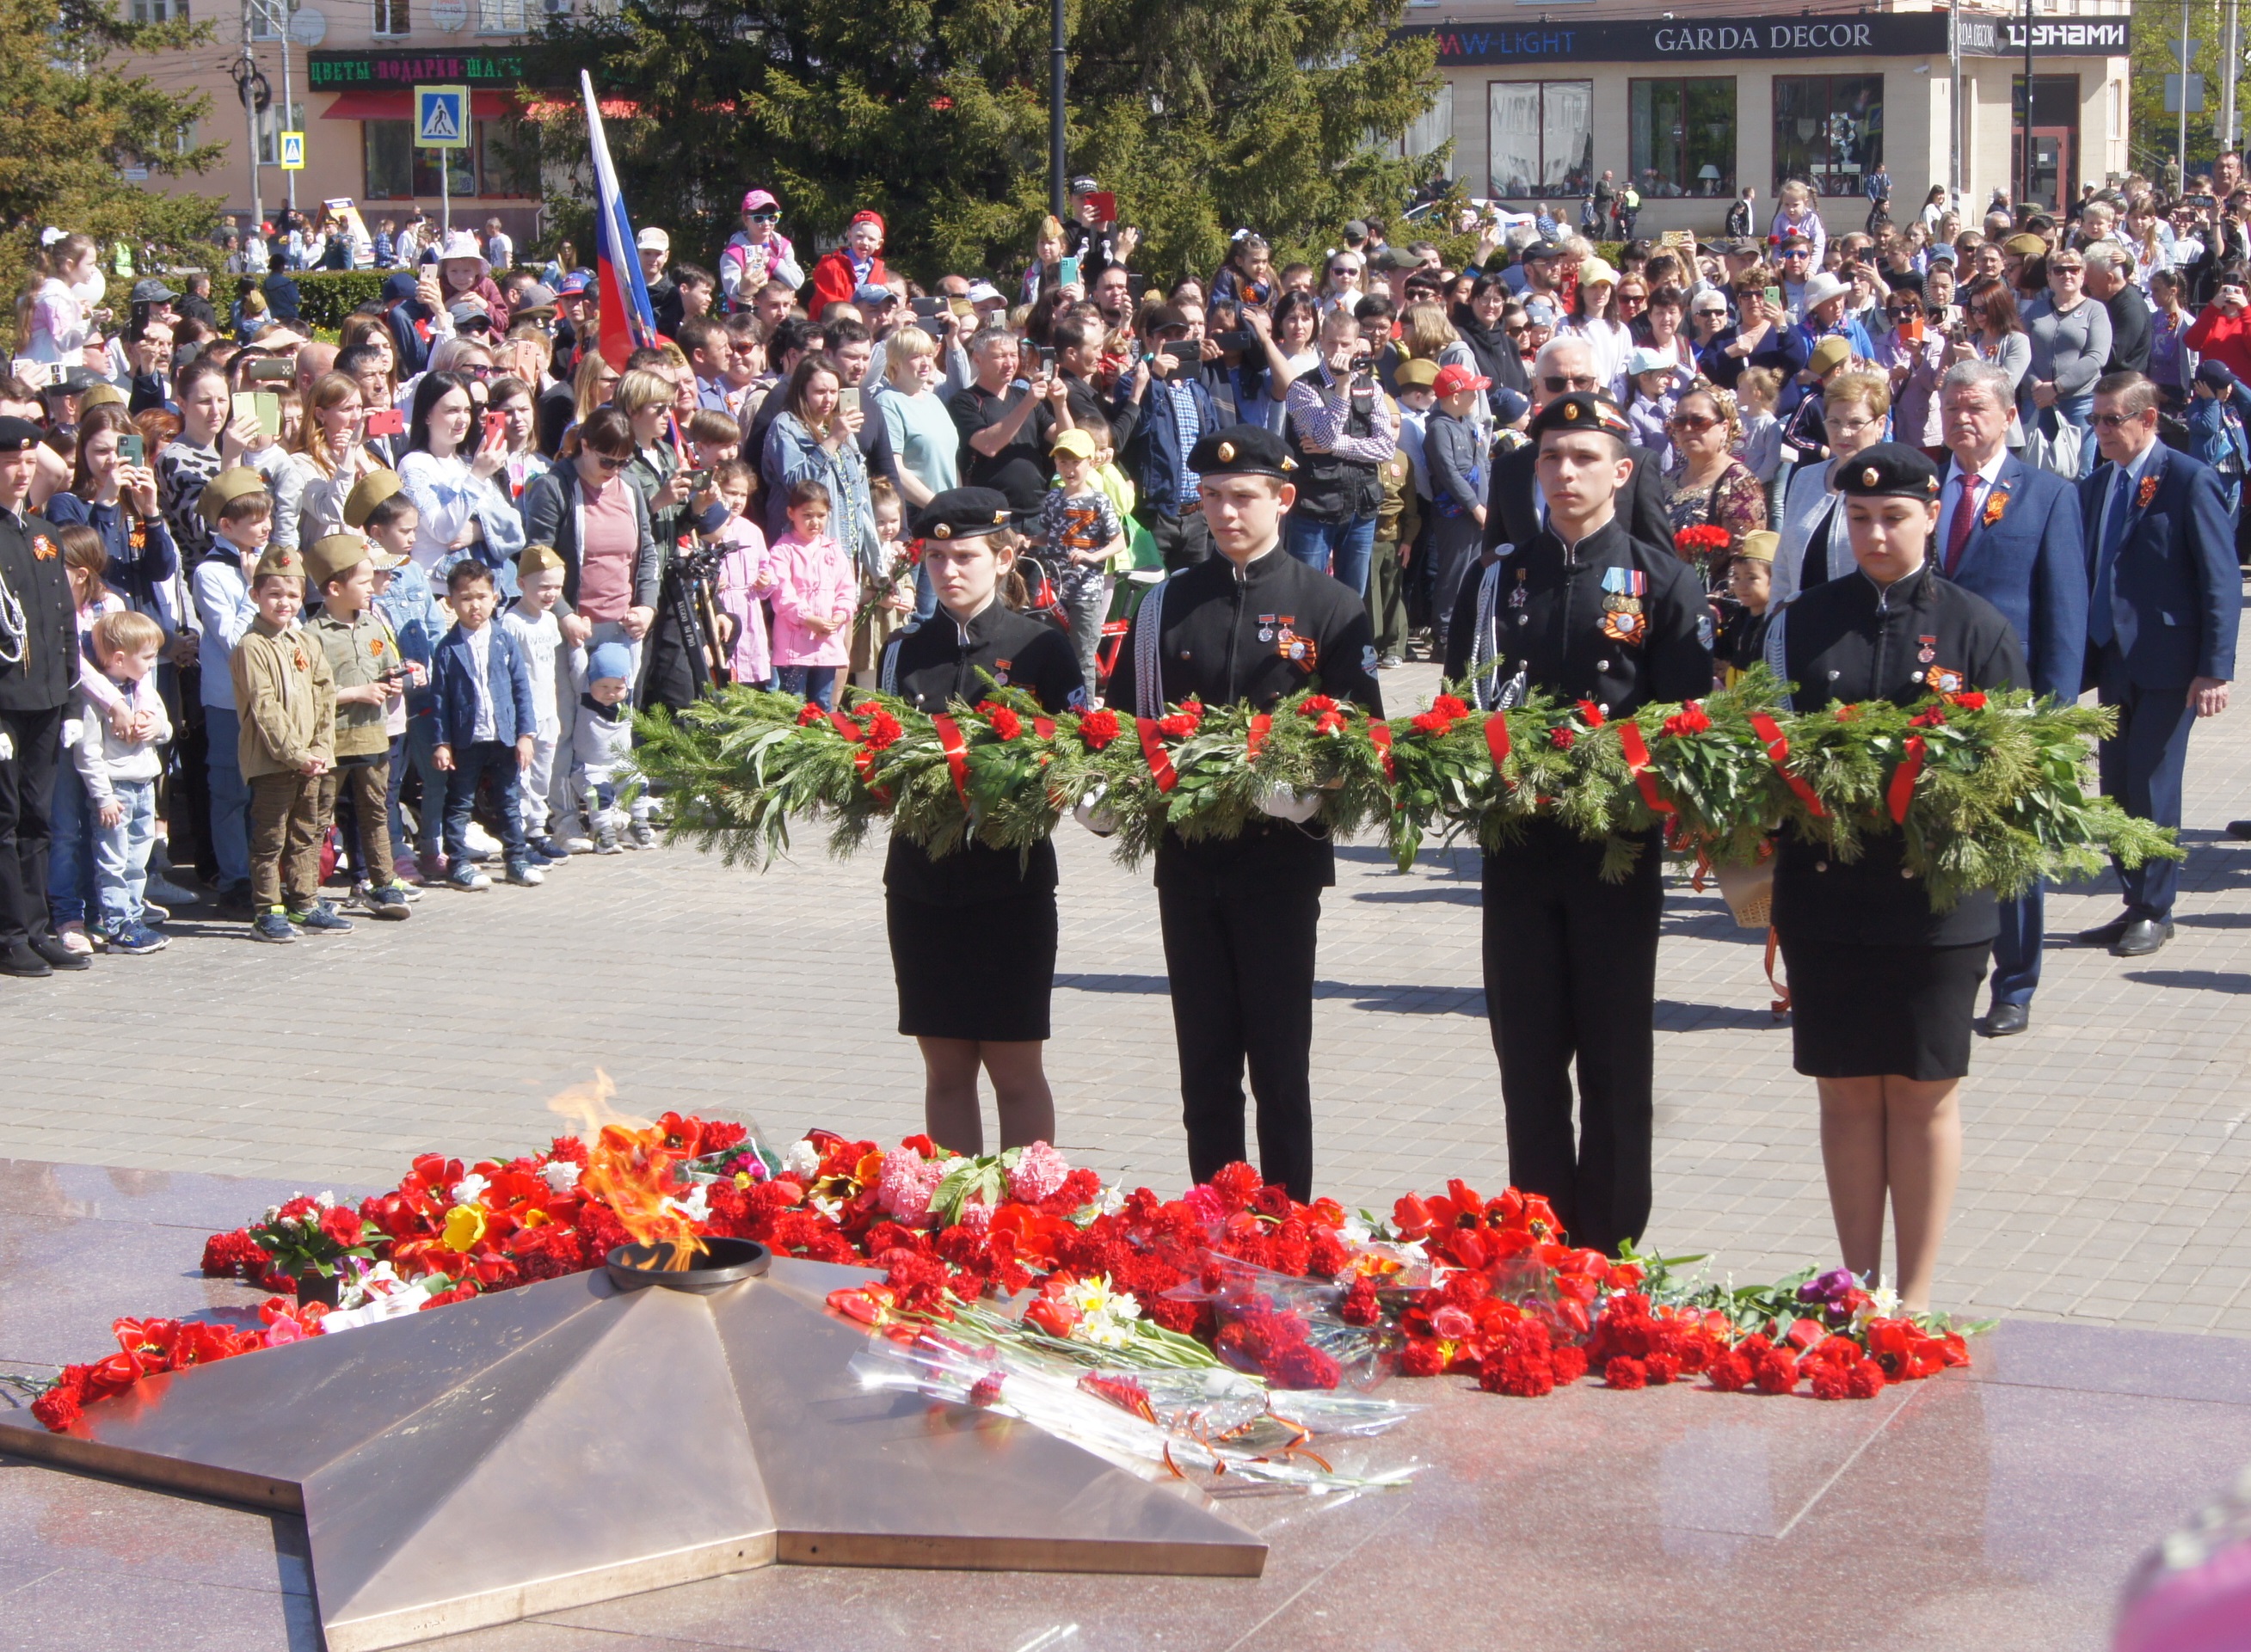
[(929, 665), (1848, 641), (31, 566), (1251, 635), (1611, 619)]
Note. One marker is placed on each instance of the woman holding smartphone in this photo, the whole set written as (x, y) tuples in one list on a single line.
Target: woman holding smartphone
[(330, 455), (113, 492), (451, 460)]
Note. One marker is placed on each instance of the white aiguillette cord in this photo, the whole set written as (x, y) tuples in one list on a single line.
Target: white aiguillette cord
[(1148, 671)]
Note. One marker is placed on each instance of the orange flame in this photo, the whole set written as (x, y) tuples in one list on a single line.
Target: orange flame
[(630, 1169)]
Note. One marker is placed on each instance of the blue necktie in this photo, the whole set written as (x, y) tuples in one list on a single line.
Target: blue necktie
[(2101, 625)]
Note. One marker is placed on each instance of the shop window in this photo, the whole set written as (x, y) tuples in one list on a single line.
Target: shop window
[(1542, 137), (397, 170), (1683, 137), (1828, 130)]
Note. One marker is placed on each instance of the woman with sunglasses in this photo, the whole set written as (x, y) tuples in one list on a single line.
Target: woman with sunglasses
[(1714, 487), (1912, 354), (1990, 331), (2070, 336), (597, 521)]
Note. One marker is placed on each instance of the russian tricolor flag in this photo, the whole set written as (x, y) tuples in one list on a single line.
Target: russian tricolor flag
[(627, 324)]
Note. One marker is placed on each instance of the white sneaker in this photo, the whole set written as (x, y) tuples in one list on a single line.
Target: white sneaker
[(578, 846), (74, 936), (481, 840), (528, 876)]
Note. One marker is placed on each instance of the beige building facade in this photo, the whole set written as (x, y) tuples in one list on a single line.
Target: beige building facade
[(1540, 100)]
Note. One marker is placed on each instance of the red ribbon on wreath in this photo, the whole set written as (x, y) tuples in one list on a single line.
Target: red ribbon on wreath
[(863, 761), (1901, 792), (1153, 752), (1259, 725), (957, 754), (1496, 738), (1381, 733), (1636, 761), (1777, 749)]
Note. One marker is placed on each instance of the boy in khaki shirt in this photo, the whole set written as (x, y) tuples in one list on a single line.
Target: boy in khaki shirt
[(287, 701), (370, 676)]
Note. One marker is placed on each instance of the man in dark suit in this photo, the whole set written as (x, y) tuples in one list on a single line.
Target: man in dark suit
[(2160, 629), (1519, 513), (2012, 534)]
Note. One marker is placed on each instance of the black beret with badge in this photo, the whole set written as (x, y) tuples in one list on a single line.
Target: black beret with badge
[(15, 434), (1889, 470), (1242, 450), (963, 513), (1582, 410)]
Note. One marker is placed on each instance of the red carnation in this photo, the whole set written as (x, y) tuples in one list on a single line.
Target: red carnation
[(1432, 723), (1006, 723), (1098, 728), (1730, 1372), (810, 715), (1562, 739), (1973, 700), (1329, 722), (1775, 1373), (1690, 719), (1568, 1363), (987, 1389), (1933, 718), (1359, 1306), (232, 1256), (1303, 1365), (1867, 1381), (1519, 1375), (882, 730), (1316, 705), (1447, 705), (1179, 726), (1625, 1372), (1592, 713), (343, 1226), (1422, 1357)]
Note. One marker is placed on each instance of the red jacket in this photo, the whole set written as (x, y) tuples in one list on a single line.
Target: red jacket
[(833, 283), (2222, 338)]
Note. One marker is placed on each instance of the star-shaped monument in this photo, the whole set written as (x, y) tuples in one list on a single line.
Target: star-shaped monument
[(574, 1441)]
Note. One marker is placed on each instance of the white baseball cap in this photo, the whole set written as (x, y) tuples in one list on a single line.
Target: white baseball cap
[(654, 240)]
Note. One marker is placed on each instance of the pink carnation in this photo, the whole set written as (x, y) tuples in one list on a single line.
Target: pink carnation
[(903, 1190), (1038, 1174)]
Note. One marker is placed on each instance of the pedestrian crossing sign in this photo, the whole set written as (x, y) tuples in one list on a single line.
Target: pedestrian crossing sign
[(441, 117), (293, 151)]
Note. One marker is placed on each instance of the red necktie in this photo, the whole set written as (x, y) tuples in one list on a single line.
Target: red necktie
[(1957, 534)]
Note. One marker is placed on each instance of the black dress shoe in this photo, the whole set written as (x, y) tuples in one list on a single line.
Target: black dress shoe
[(2106, 934), (17, 958), (2005, 1021), (51, 948), (2142, 937)]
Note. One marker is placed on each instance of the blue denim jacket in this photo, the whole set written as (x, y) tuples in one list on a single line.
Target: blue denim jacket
[(415, 618)]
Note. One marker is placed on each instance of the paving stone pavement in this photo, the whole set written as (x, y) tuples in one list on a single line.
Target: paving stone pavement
[(2108, 1176)]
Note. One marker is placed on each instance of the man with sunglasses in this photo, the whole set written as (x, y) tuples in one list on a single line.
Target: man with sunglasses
[(1517, 511), (1590, 612)]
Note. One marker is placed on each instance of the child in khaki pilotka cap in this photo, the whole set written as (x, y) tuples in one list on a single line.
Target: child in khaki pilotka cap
[(287, 701), (370, 680), (1750, 582)]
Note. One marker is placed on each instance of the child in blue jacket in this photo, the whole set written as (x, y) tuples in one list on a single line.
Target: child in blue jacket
[(487, 724)]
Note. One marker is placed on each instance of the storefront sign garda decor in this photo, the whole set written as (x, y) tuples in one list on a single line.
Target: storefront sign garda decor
[(1874, 35)]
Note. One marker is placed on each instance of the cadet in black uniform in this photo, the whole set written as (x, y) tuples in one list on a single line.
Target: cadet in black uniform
[(1585, 613), (1240, 916), (973, 933), (39, 664), (1882, 988)]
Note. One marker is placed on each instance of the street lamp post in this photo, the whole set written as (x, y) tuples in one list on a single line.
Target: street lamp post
[(1058, 72)]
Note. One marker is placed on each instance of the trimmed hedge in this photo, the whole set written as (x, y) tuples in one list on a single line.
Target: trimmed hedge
[(325, 297)]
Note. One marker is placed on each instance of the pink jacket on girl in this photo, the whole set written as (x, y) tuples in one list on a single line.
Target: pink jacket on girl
[(747, 574), (817, 581)]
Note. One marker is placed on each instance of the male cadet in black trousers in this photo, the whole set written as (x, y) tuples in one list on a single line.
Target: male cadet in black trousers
[(1584, 613), (1249, 626), (39, 664)]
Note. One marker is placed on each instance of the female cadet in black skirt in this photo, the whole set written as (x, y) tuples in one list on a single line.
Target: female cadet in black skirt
[(973, 933), (1882, 987)]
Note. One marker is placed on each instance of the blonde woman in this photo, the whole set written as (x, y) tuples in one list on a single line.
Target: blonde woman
[(922, 433), (1815, 547), (328, 456)]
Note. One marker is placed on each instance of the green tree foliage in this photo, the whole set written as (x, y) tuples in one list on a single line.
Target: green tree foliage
[(76, 116), (2152, 132), (1283, 114)]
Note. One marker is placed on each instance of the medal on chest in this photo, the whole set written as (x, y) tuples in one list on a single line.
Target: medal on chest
[(1000, 673), (1929, 650), (1623, 620), (1300, 652), (44, 548), (1266, 627)]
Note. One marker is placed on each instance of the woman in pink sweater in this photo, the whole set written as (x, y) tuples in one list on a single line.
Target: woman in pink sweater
[(818, 589)]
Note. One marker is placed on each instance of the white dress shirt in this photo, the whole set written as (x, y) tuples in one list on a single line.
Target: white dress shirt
[(1951, 499)]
